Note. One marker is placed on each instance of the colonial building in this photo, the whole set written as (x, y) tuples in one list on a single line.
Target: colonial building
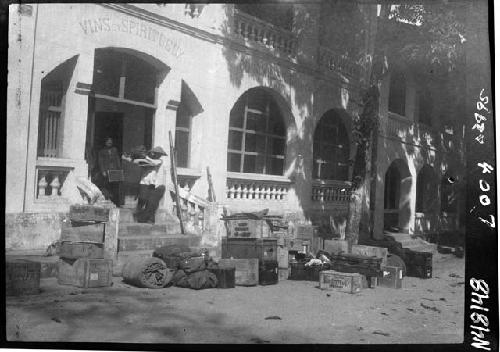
[(260, 106)]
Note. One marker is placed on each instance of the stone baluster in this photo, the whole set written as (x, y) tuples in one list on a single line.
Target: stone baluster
[(237, 193), (55, 185), (42, 185), (244, 191)]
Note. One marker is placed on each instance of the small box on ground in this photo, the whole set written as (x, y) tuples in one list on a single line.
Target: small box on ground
[(86, 233), (83, 213), (22, 277), (298, 271), (225, 276), (370, 251), (336, 246), (75, 250), (392, 277), (344, 282), (84, 272), (246, 270), (283, 273), (268, 273)]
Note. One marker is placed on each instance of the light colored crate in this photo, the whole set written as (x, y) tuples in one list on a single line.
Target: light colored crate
[(246, 273), (336, 246), (86, 273), (343, 282)]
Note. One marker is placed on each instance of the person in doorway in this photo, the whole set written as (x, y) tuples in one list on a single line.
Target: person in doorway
[(153, 184), (109, 160)]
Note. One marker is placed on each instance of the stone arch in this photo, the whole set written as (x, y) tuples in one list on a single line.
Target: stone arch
[(397, 196)]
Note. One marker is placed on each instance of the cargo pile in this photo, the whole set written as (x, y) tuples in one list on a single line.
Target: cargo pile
[(81, 253)]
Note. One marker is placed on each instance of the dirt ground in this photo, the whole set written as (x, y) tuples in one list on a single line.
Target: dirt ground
[(423, 311)]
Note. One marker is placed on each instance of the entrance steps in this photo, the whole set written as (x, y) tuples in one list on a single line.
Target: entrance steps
[(411, 242), (141, 239)]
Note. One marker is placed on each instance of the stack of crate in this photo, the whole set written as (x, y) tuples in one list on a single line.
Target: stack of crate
[(81, 254), (22, 277)]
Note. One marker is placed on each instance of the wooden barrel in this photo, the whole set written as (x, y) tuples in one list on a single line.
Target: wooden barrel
[(247, 270)]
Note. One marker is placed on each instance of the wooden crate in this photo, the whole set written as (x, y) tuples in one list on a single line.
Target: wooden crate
[(247, 228), (392, 277), (283, 273), (247, 270), (22, 277), (264, 249), (86, 233), (83, 212), (370, 251), (343, 282), (84, 272), (75, 250)]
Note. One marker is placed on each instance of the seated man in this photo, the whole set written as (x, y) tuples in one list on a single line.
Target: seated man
[(154, 182)]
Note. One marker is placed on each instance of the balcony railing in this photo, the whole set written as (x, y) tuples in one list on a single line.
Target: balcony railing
[(399, 127), (332, 61), (331, 191), (264, 34), (50, 180), (253, 187)]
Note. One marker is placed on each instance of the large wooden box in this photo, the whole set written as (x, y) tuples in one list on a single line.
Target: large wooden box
[(84, 272), (344, 282), (75, 250), (392, 277), (22, 277), (85, 233), (247, 228), (268, 273), (370, 251), (82, 213), (247, 270), (336, 246), (264, 249)]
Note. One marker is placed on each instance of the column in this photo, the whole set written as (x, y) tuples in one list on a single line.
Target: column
[(169, 96), (76, 111)]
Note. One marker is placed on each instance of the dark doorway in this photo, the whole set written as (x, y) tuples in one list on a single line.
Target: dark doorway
[(108, 124)]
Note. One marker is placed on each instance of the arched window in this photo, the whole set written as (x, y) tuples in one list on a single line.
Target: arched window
[(331, 149), (52, 97), (397, 93), (256, 141), (392, 187)]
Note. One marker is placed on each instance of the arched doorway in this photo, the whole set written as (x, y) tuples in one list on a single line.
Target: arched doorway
[(122, 106), (427, 204), (397, 188)]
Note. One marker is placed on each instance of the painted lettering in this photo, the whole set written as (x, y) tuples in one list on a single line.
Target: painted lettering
[(487, 168), (479, 298), (132, 25), (84, 25), (106, 24), (476, 318), (479, 285), (481, 344), (485, 187), (124, 25), (143, 31)]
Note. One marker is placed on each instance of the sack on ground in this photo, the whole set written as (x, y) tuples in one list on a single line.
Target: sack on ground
[(146, 272), (193, 264), (202, 279)]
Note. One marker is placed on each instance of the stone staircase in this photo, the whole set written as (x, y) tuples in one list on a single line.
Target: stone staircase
[(411, 242), (140, 239)]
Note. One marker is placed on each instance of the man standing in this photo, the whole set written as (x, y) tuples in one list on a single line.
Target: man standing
[(108, 159), (153, 184)]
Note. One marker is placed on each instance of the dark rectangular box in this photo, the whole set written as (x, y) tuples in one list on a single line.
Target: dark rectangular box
[(22, 277), (268, 273), (264, 249)]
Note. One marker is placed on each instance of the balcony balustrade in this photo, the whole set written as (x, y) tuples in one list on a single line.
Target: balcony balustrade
[(332, 61), (257, 187), (331, 192), (264, 34)]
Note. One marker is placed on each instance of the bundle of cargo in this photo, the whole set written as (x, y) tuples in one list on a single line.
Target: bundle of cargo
[(147, 272), (22, 277), (192, 268), (81, 253), (353, 263)]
